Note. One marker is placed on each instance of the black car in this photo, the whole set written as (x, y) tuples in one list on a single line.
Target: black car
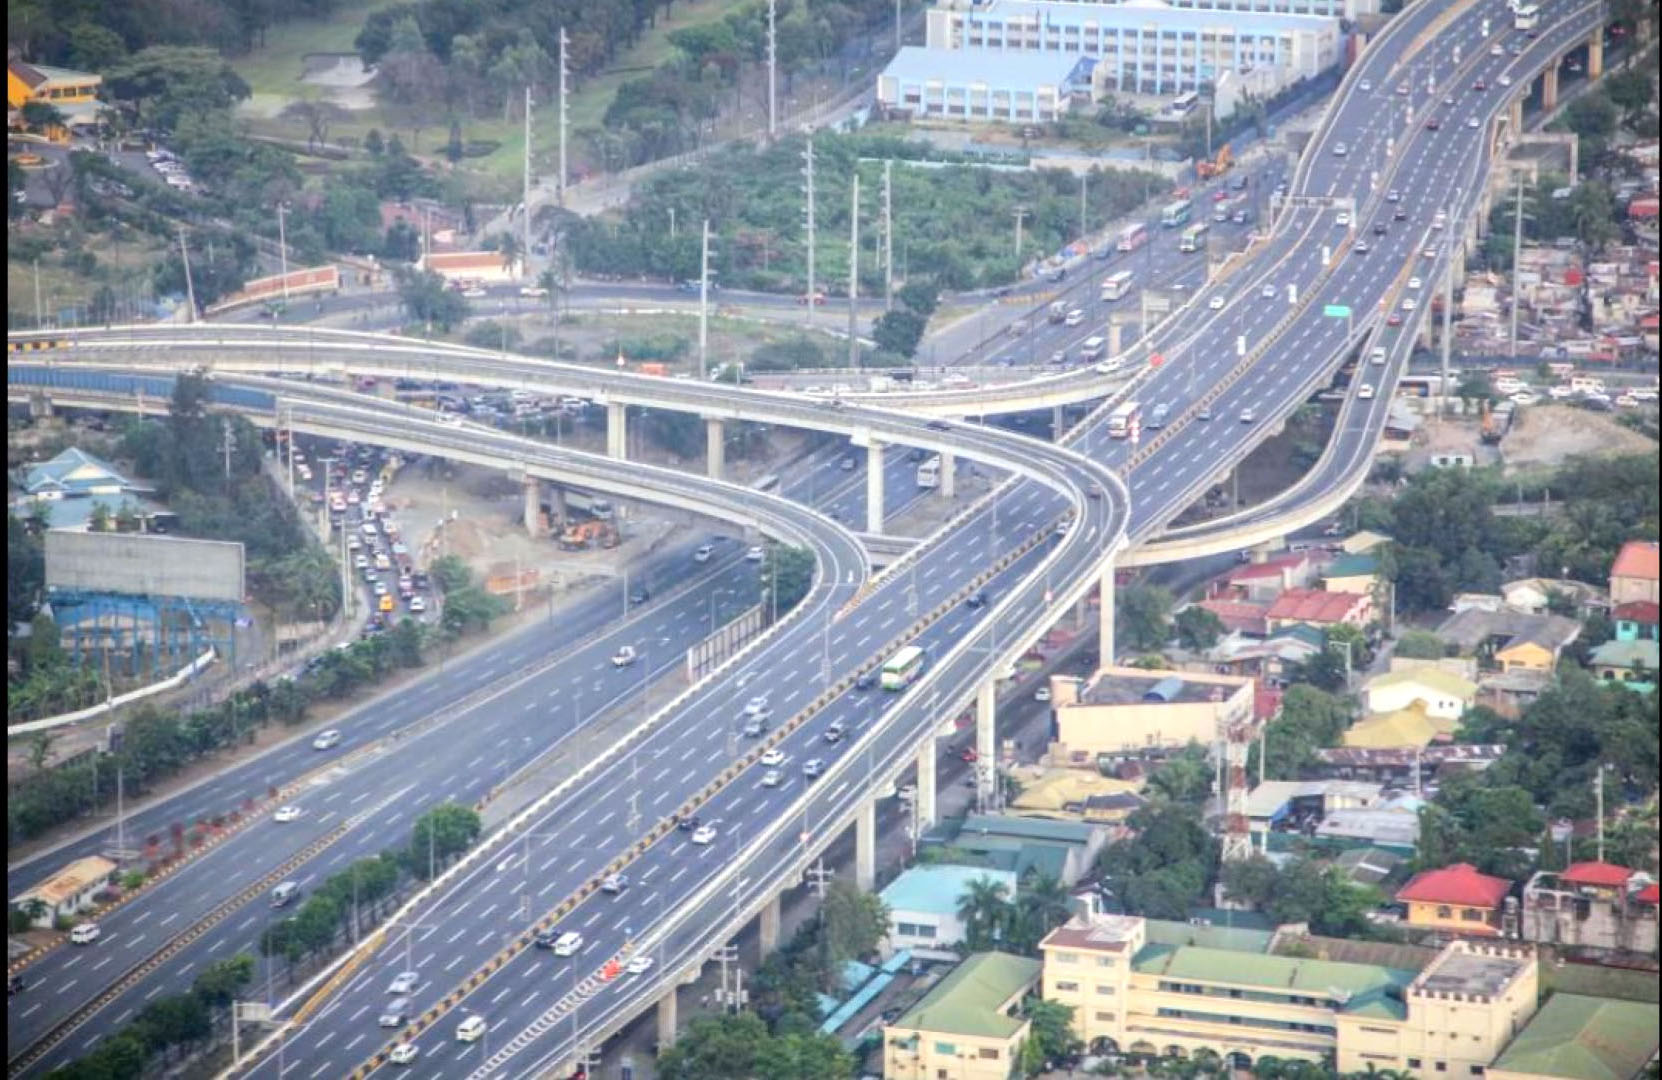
[(545, 938), (686, 824), (916, 453), (865, 680), (1399, 214), (640, 594), (938, 425), (1379, 228), (977, 599)]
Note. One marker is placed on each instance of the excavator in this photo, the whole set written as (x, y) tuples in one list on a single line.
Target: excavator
[(586, 534), (1219, 165), (1491, 427)]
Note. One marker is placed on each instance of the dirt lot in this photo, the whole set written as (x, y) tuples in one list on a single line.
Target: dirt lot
[(1546, 435)]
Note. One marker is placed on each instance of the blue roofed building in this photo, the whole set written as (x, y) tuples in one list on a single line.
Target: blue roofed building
[(923, 906), (980, 84)]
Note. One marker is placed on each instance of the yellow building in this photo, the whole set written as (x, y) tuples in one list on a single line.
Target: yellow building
[(72, 93), (1129, 710), (1409, 726), (967, 1027), (1456, 900), (1134, 996)]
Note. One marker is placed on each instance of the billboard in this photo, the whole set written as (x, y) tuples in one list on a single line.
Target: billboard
[(143, 565)]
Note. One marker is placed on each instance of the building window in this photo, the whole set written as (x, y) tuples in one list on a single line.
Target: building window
[(1107, 1017), (1105, 961), (1105, 991), (1067, 987), (1067, 958), (1477, 1070), (949, 1049), (1442, 1066), (987, 1053), (923, 930), (1444, 911), (1413, 1063), (1471, 914)]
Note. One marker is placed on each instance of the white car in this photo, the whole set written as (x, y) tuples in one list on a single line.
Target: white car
[(1559, 393), (772, 778), (1074, 317), (1215, 303), (286, 814), (1339, 149), (1505, 80), (639, 965), (704, 834), (403, 983), (755, 554), (1497, 50), (704, 553), (1364, 392), (757, 708), (1268, 291), (1473, 122), (1524, 397), (1414, 283), (1627, 401), (1042, 694), (403, 1053), (1365, 85), (1408, 303), (84, 934), (532, 291), (1377, 356), (475, 293), (773, 757), (418, 604), (326, 740), (1343, 218), (1429, 253)]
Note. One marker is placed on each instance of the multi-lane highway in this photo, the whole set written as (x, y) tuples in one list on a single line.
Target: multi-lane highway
[(1230, 371)]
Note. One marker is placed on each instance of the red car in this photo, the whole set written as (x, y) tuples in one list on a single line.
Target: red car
[(1432, 124), (1480, 85), (1394, 319), (970, 755), (1220, 195)]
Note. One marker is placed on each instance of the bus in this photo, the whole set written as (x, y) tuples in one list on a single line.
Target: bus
[(1122, 419), (903, 668), (929, 472), (1134, 237), (1193, 237), (1184, 104), (1174, 214), (1526, 17), (1117, 285)]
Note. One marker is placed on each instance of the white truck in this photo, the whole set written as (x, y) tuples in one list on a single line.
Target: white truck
[(881, 384), (1057, 311)]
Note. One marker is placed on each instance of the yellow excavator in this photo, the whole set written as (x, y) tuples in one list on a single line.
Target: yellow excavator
[(586, 534), (1219, 165)]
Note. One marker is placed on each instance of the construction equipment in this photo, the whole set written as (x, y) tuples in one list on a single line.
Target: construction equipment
[(1219, 165), (585, 534), (1491, 427)]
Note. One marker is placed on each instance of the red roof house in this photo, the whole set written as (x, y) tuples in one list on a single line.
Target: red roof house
[(1455, 899), (1320, 608), (1598, 875), (1634, 573), (1648, 895), (1239, 617)]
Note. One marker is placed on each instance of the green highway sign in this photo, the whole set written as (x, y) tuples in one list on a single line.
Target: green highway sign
[(1336, 311)]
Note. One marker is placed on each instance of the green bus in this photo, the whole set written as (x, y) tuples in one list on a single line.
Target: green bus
[(903, 668)]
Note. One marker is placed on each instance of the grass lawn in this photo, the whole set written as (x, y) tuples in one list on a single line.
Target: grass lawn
[(126, 269), (274, 71)]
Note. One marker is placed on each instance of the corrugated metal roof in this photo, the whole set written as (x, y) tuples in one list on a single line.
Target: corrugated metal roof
[(969, 999), (1584, 1038)]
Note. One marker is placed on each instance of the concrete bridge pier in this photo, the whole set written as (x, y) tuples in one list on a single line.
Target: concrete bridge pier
[(986, 737), (1549, 88), (927, 765), (865, 846), (874, 487), (949, 476), (667, 1018), (1058, 422), (1595, 54), (715, 447), (533, 506), (617, 430), (767, 928)]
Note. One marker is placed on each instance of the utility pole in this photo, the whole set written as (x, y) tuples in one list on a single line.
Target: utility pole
[(853, 270), (1448, 325), (190, 289), (704, 304), (773, 68), (1084, 220), (561, 185), (37, 293), (897, 27), (283, 247), (525, 186), (1598, 803), (1517, 251), (808, 175), (888, 235), (1021, 214)]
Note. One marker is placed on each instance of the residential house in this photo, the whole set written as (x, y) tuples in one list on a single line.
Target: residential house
[(1456, 900), (1362, 542), (1412, 727), (1357, 573), (1125, 710), (68, 892), (1262, 582), (1441, 694), (1270, 660), (1301, 805), (1633, 575), (1064, 850), (74, 473), (968, 1026), (1074, 794), (1636, 621), (1239, 616), (1594, 905), (1489, 637), (923, 906), (1320, 608), (1403, 766), (1395, 827), (73, 93), (1137, 988), (1631, 663), (1535, 595), (1575, 1037)]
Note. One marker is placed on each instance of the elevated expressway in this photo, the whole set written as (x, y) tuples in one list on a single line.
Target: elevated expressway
[(1286, 353)]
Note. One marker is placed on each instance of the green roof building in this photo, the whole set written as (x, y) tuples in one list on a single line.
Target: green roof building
[(967, 1026), (1582, 1038)]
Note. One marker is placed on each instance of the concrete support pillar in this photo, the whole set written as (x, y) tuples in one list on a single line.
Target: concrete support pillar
[(927, 770), (1058, 422), (1425, 335), (667, 1018), (617, 430), (1516, 116), (1595, 54), (1549, 89), (767, 928), (874, 488), (557, 502), (949, 476), (986, 737), (533, 507), (715, 448), (1105, 639), (40, 406), (865, 846), (1116, 336)]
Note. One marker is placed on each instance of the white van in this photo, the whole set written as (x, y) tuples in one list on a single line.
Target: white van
[(1092, 348), (568, 943), (471, 1029), (84, 934)]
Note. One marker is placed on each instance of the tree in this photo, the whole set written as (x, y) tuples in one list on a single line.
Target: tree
[(854, 923), (984, 909), (1051, 1025), (1042, 904), (788, 574), (1198, 629), (739, 1045), (1631, 91), (1419, 645), (447, 829), (93, 47), (426, 299), (1593, 118), (1309, 719), (1186, 777), (898, 331), (1141, 614), (165, 82)]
